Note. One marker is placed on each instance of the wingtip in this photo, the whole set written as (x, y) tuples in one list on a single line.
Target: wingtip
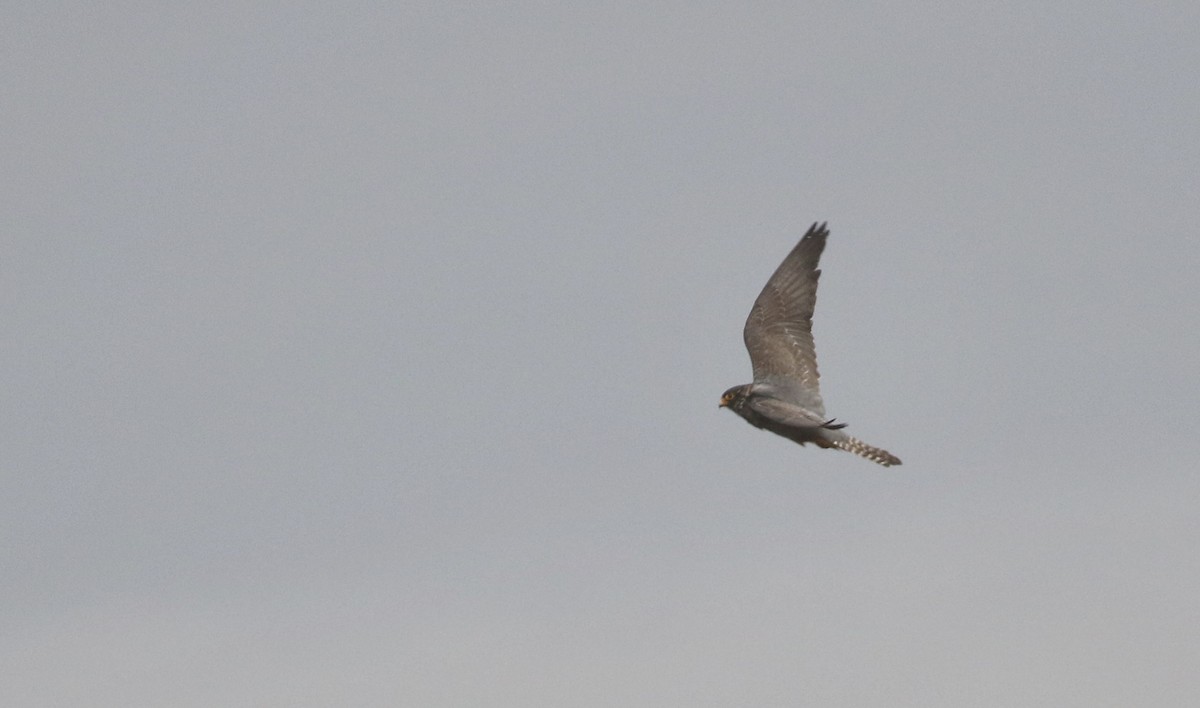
[(819, 229)]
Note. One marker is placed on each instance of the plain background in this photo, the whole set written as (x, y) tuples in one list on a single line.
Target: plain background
[(369, 354)]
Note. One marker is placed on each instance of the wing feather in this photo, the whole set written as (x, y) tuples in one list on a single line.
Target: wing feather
[(778, 332)]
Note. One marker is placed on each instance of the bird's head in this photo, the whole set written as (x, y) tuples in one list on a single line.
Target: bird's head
[(734, 397)]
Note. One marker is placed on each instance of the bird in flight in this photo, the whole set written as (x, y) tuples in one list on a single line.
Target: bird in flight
[(785, 397)]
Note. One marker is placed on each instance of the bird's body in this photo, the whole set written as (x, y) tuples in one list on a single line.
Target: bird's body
[(785, 397)]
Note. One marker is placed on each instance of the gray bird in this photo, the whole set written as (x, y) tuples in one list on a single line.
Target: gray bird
[(785, 397)]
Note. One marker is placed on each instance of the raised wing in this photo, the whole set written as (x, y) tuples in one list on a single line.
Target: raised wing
[(778, 332)]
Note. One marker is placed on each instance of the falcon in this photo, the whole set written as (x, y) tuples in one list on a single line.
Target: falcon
[(785, 397)]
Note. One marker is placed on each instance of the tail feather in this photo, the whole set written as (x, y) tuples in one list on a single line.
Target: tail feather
[(860, 448)]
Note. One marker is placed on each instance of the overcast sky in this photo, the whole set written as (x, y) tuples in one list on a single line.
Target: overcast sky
[(368, 354)]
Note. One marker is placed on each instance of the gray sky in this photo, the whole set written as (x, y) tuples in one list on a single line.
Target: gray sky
[(368, 356)]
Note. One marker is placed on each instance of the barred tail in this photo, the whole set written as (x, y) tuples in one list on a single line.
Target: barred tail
[(860, 448)]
